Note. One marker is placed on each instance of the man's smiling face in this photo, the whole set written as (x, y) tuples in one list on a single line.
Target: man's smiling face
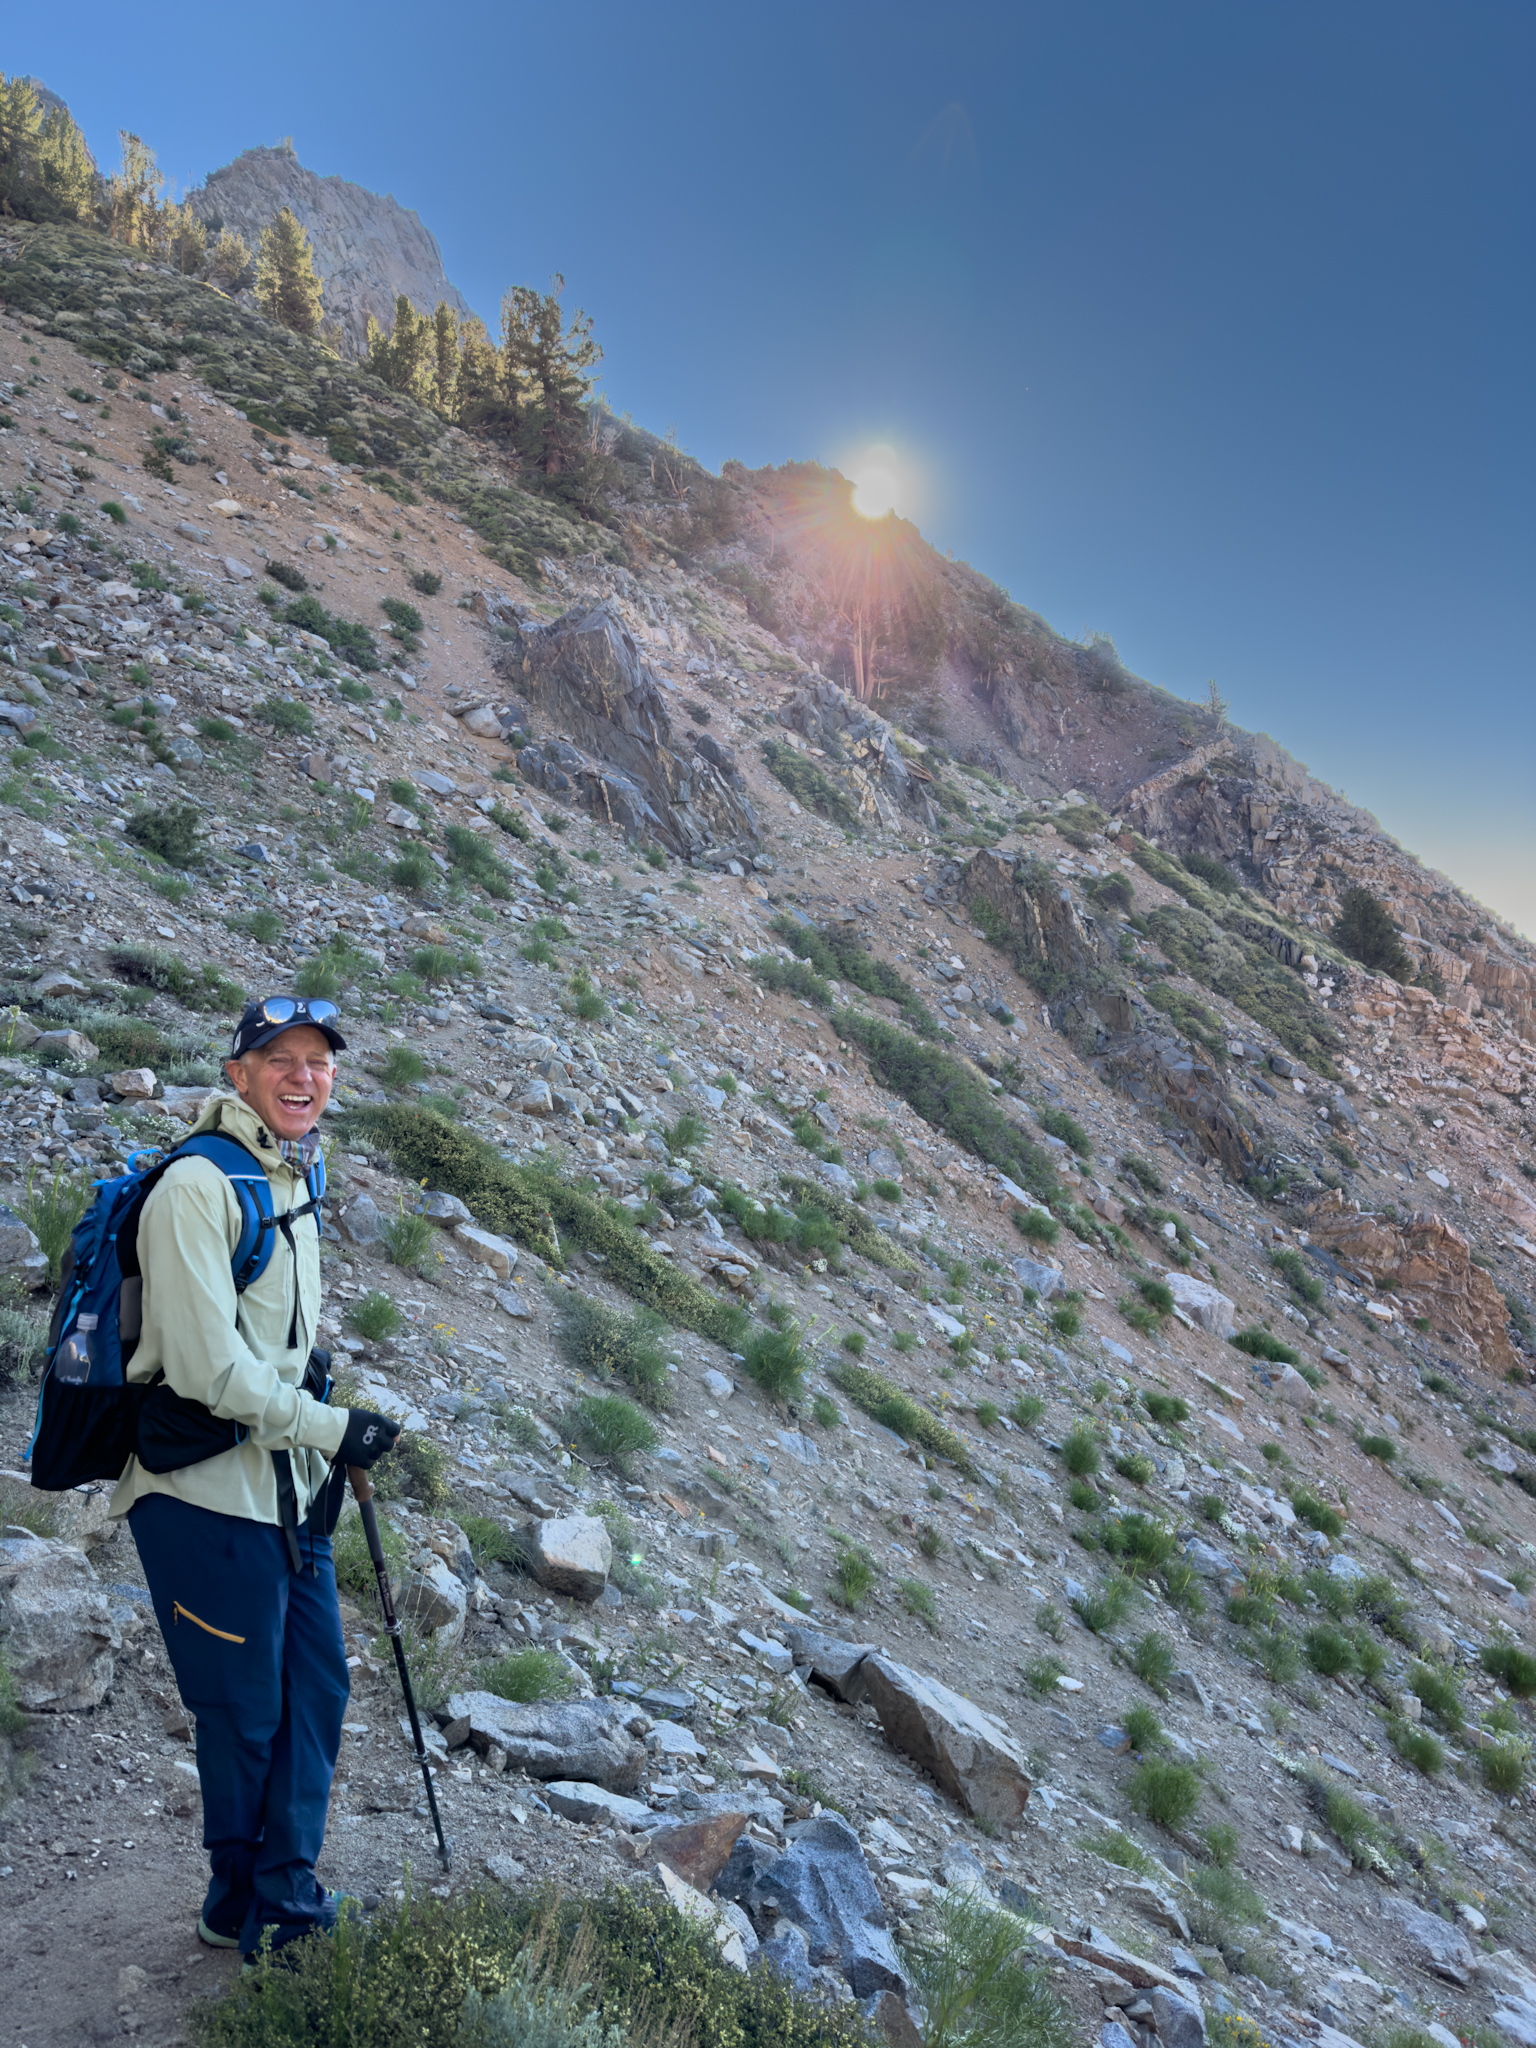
[(288, 1081)]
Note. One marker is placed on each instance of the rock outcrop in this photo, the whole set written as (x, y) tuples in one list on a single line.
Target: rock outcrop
[(1430, 1267), (368, 248), (618, 754)]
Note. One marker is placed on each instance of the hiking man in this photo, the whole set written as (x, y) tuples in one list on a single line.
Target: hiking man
[(236, 1545)]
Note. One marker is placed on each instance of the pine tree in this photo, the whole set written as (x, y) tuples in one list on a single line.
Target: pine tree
[(446, 334), (65, 166), (1365, 930), (185, 238), (229, 261), (287, 289), (479, 375), (405, 358), (21, 127), (545, 362), (133, 194)]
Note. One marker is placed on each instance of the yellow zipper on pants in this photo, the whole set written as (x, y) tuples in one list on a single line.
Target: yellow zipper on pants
[(177, 1611)]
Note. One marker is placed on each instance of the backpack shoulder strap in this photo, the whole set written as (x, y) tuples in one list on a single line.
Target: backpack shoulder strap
[(253, 1192)]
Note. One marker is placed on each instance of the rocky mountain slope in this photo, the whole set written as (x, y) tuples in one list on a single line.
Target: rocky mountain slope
[(368, 248), (676, 976)]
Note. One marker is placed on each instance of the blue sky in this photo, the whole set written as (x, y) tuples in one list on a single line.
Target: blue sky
[(1205, 326)]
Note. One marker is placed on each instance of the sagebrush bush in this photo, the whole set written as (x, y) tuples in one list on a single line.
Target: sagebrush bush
[(612, 1428), (600, 1341), (170, 833), (1166, 1793)]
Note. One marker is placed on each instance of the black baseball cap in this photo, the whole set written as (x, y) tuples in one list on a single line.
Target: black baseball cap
[(261, 1022)]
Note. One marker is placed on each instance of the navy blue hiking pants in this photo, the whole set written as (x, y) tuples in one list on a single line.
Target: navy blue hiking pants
[(258, 1654)]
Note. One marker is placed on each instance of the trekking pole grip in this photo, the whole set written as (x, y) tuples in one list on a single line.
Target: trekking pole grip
[(362, 1485)]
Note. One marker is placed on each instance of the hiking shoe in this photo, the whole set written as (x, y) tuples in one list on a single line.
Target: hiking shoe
[(206, 1934)]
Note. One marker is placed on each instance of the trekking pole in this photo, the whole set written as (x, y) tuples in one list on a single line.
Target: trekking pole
[(362, 1489)]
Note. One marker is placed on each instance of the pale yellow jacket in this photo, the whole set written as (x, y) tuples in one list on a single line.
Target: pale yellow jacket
[(231, 1351)]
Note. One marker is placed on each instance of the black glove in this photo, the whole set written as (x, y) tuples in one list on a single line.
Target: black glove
[(368, 1437)]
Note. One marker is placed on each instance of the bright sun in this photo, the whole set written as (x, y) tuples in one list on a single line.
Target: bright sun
[(879, 480)]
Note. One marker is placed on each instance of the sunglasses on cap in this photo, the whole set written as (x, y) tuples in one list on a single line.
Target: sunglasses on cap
[(263, 1020)]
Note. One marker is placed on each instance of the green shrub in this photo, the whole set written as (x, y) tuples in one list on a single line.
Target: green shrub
[(1068, 1129), (403, 1067), (1152, 1660), (1381, 1447), (352, 642), (1317, 1514), (775, 1361), (887, 1190), (286, 715), (1329, 1650), (1277, 1656), (1514, 1668), (1297, 1278), (1135, 1466), (1166, 1409), (898, 1412), (349, 1553), (170, 834), (430, 1973), (401, 614), (470, 854), (408, 1238), (115, 512), (427, 581), (918, 1599), (1439, 1690), (949, 1096), (807, 784), (854, 1570), (374, 1316), (836, 953), (52, 1210), (1038, 1225), (435, 964), (976, 1989), (417, 1466), (1080, 1452), (290, 578), (1224, 1901), (1104, 1610), (1167, 1793), (1027, 1410), (1261, 1343), (612, 1428), (526, 1676), (1214, 873), (1067, 1320), (586, 1002), (825, 1413), (600, 1341), (1356, 1830), (521, 1202), (1143, 1728), (1418, 1747), (687, 1134), (318, 977), (1504, 1766)]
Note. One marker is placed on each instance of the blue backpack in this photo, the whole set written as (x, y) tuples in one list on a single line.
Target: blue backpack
[(88, 1429)]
